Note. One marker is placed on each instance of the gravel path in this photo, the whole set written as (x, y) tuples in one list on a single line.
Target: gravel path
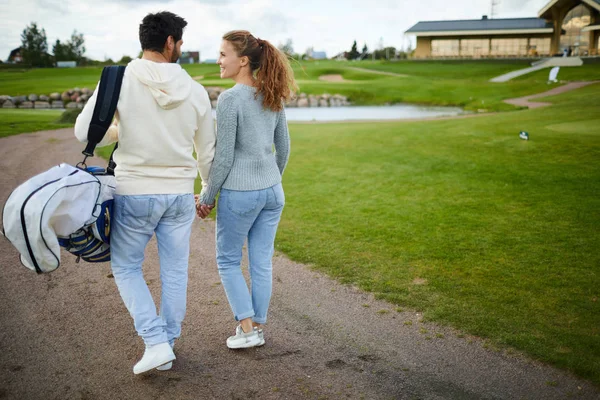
[(67, 335), (524, 101)]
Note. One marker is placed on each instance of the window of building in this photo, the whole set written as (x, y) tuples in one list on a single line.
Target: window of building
[(509, 47), (539, 47), (444, 47), (474, 47), (574, 41)]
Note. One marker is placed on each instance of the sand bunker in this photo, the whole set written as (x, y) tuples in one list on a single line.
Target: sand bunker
[(332, 78)]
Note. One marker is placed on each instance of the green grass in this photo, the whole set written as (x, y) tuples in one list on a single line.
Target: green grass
[(13, 122), (457, 83), (503, 231)]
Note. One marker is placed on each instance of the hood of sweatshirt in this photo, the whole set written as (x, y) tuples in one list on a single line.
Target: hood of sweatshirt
[(169, 83)]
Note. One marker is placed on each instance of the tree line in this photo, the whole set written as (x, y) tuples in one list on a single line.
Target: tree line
[(34, 49)]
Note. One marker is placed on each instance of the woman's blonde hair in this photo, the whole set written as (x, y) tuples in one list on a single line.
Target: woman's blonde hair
[(271, 68)]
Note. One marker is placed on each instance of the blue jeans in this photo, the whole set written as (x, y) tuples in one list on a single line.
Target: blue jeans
[(136, 219), (253, 215)]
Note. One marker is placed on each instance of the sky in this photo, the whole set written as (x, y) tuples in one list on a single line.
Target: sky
[(110, 27)]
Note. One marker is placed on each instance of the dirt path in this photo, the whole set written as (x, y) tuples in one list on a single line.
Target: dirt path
[(67, 335), (524, 101)]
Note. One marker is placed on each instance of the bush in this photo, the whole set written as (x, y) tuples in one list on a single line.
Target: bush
[(69, 116)]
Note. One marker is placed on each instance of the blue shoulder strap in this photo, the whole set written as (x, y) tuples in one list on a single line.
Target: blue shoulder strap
[(106, 105)]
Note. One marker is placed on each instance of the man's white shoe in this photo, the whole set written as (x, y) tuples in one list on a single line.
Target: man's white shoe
[(166, 366), (154, 356), (243, 340)]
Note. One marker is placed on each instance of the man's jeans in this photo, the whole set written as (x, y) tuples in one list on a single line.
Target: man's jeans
[(136, 219), (253, 215)]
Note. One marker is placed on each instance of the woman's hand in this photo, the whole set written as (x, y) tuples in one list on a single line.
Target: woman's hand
[(203, 210)]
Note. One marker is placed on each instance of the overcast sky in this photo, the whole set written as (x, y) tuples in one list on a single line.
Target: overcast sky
[(110, 27)]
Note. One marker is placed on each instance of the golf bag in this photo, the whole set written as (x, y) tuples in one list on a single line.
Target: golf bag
[(66, 206)]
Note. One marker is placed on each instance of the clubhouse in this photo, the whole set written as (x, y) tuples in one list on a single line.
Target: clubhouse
[(570, 27)]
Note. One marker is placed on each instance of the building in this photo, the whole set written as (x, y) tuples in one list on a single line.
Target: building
[(315, 55), (189, 57), (562, 26), (15, 56)]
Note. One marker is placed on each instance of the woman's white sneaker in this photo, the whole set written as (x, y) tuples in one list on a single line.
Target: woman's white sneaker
[(242, 340)]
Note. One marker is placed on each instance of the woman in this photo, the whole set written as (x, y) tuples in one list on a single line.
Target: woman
[(250, 120)]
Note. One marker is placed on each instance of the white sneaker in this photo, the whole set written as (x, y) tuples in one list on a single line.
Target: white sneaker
[(243, 340), (167, 366), (154, 356), (261, 335)]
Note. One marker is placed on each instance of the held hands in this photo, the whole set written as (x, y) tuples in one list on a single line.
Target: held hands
[(202, 210)]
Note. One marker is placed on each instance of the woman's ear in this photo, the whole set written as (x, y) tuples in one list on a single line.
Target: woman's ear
[(244, 61)]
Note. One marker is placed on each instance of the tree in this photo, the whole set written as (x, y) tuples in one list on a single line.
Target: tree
[(353, 54), (60, 51), (287, 48), (34, 46), (385, 53), (365, 49), (125, 60), (77, 46)]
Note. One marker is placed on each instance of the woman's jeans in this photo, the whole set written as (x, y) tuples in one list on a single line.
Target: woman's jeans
[(253, 215), (136, 220)]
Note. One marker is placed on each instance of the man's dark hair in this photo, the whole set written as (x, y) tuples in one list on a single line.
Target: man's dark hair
[(156, 28)]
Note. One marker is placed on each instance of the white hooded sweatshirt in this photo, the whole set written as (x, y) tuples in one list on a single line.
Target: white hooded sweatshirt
[(164, 115)]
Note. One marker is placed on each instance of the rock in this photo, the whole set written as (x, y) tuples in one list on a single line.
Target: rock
[(55, 96), (86, 91), (41, 104), (302, 96), (19, 99), (74, 97), (323, 103), (32, 97), (58, 104), (213, 95), (65, 96), (76, 90), (80, 105), (313, 102), (43, 97), (3, 99), (72, 105), (292, 103), (26, 104), (8, 104), (213, 103), (325, 96), (302, 102)]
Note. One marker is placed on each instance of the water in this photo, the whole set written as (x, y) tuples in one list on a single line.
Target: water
[(366, 113)]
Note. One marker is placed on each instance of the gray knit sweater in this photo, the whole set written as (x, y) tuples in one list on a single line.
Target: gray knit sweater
[(246, 132)]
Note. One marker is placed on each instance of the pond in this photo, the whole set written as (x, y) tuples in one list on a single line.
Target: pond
[(368, 113)]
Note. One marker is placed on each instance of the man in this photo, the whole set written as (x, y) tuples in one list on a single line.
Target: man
[(163, 114)]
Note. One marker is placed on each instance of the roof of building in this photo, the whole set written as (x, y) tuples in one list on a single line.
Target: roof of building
[(546, 13), (484, 24)]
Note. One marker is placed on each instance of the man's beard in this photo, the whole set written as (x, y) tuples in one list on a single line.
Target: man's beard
[(175, 56)]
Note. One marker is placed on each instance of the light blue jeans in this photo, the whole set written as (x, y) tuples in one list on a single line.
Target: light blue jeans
[(253, 215), (136, 220)]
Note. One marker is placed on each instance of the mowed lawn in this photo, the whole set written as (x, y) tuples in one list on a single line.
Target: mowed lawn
[(463, 221), (14, 121), (464, 83)]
